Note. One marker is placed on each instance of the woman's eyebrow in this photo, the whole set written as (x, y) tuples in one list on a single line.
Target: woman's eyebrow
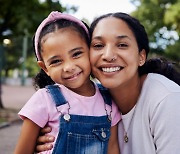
[(123, 36), (118, 37), (97, 37)]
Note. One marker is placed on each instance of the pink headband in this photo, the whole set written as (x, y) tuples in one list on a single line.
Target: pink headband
[(53, 16)]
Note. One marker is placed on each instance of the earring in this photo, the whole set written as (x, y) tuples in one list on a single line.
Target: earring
[(141, 62)]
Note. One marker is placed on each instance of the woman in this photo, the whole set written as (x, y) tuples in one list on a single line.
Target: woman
[(149, 102)]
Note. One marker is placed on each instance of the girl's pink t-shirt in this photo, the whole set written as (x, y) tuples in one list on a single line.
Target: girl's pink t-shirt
[(42, 110)]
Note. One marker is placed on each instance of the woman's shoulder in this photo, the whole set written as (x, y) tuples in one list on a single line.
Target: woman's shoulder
[(156, 90), (157, 87), (158, 81)]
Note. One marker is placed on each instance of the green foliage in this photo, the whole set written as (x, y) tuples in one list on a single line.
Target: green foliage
[(172, 16), (17, 17), (173, 52), (160, 19), (33, 69)]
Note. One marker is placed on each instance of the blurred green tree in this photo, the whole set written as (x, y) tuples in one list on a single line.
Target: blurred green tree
[(161, 19), (17, 15), (20, 18)]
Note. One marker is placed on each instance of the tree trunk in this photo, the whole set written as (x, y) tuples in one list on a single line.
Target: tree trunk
[(1, 103)]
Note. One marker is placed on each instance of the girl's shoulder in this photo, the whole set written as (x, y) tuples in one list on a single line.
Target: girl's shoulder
[(40, 93)]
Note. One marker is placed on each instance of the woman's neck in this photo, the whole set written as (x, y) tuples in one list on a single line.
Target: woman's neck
[(127, 96)]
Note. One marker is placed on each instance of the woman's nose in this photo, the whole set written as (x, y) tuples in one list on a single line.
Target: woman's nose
[(109, 54)]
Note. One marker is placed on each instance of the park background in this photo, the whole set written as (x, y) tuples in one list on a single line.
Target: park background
[(19, 20)]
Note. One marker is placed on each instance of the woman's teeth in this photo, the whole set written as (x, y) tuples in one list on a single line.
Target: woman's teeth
[(111, 69)]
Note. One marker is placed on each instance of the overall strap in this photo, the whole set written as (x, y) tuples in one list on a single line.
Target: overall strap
[(105, 94), (56, 95)]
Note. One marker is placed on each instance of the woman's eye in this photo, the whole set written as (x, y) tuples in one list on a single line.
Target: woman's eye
[(122, 45), (77, 54), (97, 46)]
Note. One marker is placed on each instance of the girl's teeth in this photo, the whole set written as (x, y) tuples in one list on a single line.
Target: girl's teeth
[(111, 69)]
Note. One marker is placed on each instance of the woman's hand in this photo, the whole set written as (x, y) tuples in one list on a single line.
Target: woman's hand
[(44, 141)]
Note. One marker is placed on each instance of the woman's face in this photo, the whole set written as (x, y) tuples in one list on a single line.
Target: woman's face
[(114, 54)]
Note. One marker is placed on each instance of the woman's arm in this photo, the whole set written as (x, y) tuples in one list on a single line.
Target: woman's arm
[(44, 141), (113, 145), (28, 136), (165, 124)]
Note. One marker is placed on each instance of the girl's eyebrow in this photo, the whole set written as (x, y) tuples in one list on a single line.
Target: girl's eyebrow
[(51, 58), (72, 50)]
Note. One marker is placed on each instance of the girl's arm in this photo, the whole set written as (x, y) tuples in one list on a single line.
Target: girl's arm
[(28, 136), (113, 145)]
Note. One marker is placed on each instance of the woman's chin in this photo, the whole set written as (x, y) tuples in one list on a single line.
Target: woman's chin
[(109, 84)]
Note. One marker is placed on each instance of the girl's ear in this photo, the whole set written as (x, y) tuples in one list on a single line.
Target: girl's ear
[(42, 65), (142, 57)]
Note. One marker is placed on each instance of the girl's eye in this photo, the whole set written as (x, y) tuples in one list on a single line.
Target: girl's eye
[(55, 62), (122, 45), (77, 54)]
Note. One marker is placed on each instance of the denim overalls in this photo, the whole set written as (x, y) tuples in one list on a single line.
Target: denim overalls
[(81, 134)]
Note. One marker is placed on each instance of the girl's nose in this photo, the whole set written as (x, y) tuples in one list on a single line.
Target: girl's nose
[(109, 54), (68, 66)]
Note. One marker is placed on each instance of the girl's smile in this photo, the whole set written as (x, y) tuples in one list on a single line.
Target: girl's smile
[(73, 77), (65, 61)]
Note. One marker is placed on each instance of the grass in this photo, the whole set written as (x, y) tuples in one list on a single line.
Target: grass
[(2, 120), (8, 115)]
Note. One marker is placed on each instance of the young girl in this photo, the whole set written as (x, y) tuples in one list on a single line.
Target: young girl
[(71, 104)]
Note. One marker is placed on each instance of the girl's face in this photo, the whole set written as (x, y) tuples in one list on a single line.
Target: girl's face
[(66, 58), (114, 54)]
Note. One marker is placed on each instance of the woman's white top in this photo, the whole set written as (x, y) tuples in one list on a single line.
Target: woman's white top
[(153, 125)]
